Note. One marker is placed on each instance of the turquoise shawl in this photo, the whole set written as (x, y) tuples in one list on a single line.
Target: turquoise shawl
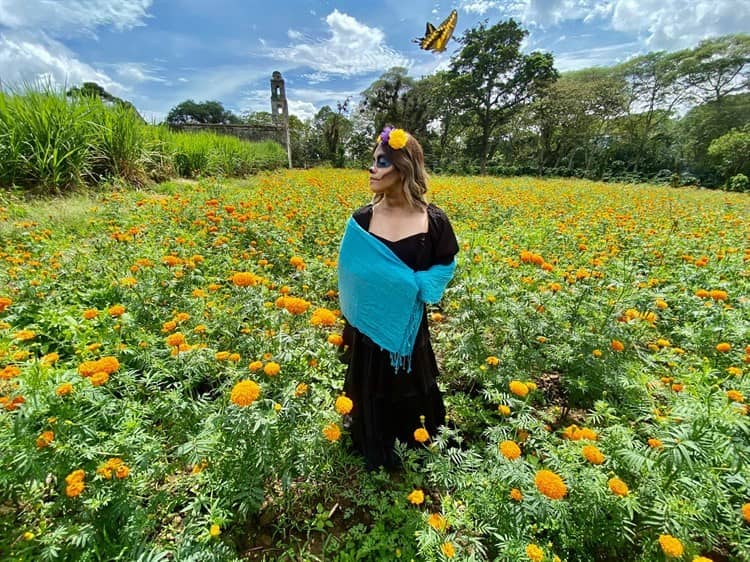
[(383, 297)]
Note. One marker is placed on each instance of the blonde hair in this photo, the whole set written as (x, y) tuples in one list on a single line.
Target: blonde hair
[(409, 163)]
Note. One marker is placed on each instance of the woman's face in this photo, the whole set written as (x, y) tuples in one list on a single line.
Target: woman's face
[(384, 177)]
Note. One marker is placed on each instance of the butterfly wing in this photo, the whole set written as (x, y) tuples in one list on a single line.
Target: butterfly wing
[(445, 32)]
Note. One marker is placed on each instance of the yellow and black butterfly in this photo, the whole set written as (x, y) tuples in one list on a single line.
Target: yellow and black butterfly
[(436, 39)]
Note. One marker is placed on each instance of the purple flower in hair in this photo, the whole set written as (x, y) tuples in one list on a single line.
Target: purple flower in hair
[(385, 135)]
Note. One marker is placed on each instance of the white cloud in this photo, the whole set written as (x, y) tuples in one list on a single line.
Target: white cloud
[(352, 48), (316, 77), (26, 56), (302, 109), (134, 72), (294, 34), (69, 17), (477, 6), (595, 56)]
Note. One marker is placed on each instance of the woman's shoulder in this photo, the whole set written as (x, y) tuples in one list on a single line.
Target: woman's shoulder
[(437, 214), (363, 215)]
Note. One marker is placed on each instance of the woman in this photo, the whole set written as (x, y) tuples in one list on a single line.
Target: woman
[(397, 254)]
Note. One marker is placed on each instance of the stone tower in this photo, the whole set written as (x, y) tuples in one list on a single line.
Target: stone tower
[(280, 110)]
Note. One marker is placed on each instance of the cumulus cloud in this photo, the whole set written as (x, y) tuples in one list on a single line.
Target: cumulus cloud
[(26, 57), (302, 109), (352, 48), (69, 17), (134, 72)]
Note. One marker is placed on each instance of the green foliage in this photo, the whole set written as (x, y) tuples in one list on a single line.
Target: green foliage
[(190, 111), (731, 152)]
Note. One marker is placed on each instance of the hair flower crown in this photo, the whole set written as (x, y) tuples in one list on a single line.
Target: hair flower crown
[(396, 138)]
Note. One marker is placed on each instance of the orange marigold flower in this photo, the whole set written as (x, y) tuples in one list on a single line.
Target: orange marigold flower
[(746, 512), (254, 366), (295, 305), (516, 495), (618, 487), (437, 522), (592, 454), (332, 432), (116, 310), (550, 484), (244, 393), (9, 372), (297, 262), (447, 549), (344, 405), (99, 378), (108, 364), (5, 302), (50, 358), (221, 355), (245, 279), (64, 389), (718, 295), (323, 317), (671, 546), (493, 361), (45, 439), (301, 390), (336, 339), (655, 443), (723, 347), (175, 340), (518, 388), (510, 450), (661, 304), (735, 396), (272, 369), (416, 497), (534, 553), (421, 435), (75, 484), (617, 345)]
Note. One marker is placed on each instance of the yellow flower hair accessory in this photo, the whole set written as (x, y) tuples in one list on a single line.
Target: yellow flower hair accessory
[(396, 138)]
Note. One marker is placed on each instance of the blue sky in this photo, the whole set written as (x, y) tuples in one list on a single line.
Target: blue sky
[(157, 53)]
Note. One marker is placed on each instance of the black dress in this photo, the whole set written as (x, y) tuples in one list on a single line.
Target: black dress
[(388, 405)]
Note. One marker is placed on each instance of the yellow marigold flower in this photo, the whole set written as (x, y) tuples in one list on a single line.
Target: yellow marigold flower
[(297, 262), (272, 369), (516, 495), (701, 559), (50, 358), (661, 342), (255, 366), (45, 439), (617, 345), (397, 139), (735, 396), (214, 530), (221, 355), (493, 361), (24, 335), (661, 304), (447, 549), (301, 390), (64, 389), (421, 435), (736, 371), (504, 410), (746, 512), (518, 388), (597, 353), (116, 310), (655, 443), (323, 317), (245, 279), (28, 536), (671, 546), (437, 522), (343, 405), (618, 487), (592, 454), (702, 293), (332, 432), (436, 317), (534, 553), (99, 378), (416, 497), (531, 385), (550, 484), (175, 340), (510, 450), (234, 357), (336, 339), (723, 347), (244, 393)]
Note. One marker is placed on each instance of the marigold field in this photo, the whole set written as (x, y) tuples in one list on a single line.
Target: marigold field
[(170, 381)]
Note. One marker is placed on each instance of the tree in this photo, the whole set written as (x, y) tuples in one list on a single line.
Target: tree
[(94, 90), (385, 99), (718, 67), (203, 112), (731, 152), (333, 129), (491, 78)]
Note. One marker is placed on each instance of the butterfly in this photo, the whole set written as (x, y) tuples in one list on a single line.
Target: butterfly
[(436, 39)]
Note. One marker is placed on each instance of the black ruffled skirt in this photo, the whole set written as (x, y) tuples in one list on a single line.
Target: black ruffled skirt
[(388, 404)]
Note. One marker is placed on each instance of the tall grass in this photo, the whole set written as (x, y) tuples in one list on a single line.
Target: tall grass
[(50, 143)]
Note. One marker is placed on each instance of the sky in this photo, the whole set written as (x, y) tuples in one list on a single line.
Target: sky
[(158, 53)]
